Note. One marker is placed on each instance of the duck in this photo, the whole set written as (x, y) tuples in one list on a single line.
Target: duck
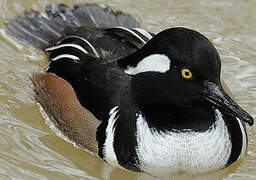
[(145, 102)]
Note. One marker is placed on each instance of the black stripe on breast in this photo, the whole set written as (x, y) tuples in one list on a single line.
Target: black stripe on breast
[(236, 137)]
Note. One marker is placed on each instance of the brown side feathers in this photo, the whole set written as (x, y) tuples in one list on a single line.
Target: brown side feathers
[(60, 102)]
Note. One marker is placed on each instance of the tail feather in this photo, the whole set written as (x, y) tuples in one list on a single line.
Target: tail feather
[(102, 16), (34, 30), (41, 32), (62, 16)]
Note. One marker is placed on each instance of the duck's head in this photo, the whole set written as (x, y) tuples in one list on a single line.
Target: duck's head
[(180, 68)]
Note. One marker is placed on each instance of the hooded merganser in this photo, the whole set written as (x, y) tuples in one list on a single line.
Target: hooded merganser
[(158, 97)]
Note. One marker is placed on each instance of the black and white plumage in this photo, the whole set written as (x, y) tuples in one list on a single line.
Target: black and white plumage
[(159, 97)]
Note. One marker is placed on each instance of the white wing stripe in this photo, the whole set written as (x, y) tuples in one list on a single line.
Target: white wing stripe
[(143, 32), (131, 32), (88, 43), (67, 45), (75, 58)]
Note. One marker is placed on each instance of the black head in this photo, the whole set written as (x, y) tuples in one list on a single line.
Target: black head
[(190, 79)]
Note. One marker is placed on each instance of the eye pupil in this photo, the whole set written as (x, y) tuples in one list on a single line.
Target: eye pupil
[(186, 73)]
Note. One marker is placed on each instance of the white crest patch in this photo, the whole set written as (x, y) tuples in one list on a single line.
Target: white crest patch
[(170, 152), (108, 149), (155, 62)]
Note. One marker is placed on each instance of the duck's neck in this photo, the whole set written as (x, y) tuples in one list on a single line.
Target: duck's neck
[(196, 118), (133, 59)]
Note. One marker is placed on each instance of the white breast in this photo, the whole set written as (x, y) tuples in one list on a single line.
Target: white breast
[(168, 152)]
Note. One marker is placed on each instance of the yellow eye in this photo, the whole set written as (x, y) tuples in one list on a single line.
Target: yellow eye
[(186, 73)]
